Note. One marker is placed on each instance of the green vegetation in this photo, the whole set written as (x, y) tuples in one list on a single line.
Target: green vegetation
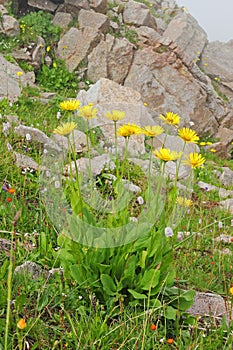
[(102, 294)]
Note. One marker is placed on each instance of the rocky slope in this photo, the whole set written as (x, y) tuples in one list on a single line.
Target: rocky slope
[(153, 47)]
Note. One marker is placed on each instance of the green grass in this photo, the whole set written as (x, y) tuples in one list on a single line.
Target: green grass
[(66, 311)]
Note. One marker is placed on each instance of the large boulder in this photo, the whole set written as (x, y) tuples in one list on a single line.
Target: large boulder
[(185, 31), (216, 60), (168, 81), (11, 82), (76, 44), (95, 20), (138, 14), (114, 59)]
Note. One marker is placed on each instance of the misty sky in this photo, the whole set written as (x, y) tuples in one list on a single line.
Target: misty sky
[(214, 16)]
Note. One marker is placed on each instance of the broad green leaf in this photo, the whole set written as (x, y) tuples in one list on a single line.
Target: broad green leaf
[(150, 279), (137, 295), (170, 313), (108, 284)]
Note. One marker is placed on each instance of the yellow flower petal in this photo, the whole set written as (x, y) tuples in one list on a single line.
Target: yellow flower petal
[(166, 154), (65, 129), (170, 118), (128, 130), (70, 105), (115, 115), (194, 160), (188, 135), (152, 131)]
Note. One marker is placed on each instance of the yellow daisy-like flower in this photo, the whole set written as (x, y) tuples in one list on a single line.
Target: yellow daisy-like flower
[(70, 105), (128, 130), (153, 131), (115, 115), (170, 118), (209, 143), (231, 290), (184, 201), (19, 74), (65, 129), (213, 150), (202, 143), (21, 324), (195, 160), (166, 154), (88, 111), (188, 135)]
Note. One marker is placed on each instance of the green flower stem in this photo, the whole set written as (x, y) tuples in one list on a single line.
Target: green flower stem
[(116, 148), (76, 170), (9, 290)]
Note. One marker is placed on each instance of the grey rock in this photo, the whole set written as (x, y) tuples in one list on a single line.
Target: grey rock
[(10, 26), (74, 6), (225, 193), (22, 161), (3, 10), (29, 268), (226, 177), (36, 135), (98, 21), (62, 19), (38, 53), (138, 14), (11, 84), (147, 36), (162, 80), (114, 60), (6, 127), (227, 204), (216, 61), (78, 140), (97, 165), (185, 31), (76, 44), (207, 187), (225, 135), (43, 5), (221, 149), (171, 171), (208, 304), (224, 238), (99, 5)]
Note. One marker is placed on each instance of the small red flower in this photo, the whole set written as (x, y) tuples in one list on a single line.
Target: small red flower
[(170, 341), (9, 199), (21, 324), (153, 327), (11, 190)]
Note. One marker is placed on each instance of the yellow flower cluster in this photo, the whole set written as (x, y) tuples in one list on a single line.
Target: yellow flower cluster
[(166, 154), (65, 129), (128, 130), (70, 105), (184, 201), (170, 118)]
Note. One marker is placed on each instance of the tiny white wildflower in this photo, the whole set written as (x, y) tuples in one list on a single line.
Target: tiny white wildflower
[(220, 224), (133, 219), (140, 200), (9, 147), (169, 232), (57, 184), (28, 137)]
